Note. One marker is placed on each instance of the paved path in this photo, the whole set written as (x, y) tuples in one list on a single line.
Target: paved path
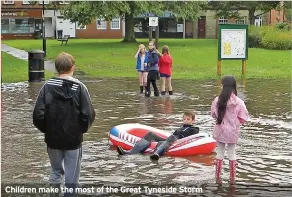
[(23, 55)]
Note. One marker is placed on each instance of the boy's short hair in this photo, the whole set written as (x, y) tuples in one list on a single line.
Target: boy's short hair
[(64, 63), (190, 114)]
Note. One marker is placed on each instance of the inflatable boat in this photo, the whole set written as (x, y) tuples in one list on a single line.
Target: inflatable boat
[(126, 135)]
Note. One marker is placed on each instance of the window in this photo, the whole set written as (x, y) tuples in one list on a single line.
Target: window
[(115, 23), (45, 2), (78, 26), (100, 24), (222, 20), (8, 2), (258, 21), (63, 2), (240, 21), (17, 25), (4, 26), (138, 27), (26, 2)]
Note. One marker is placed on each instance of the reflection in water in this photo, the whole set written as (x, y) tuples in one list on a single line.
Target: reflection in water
[(264, 150)]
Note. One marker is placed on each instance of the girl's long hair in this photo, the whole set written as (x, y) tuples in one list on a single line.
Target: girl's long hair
[(229, 87), (165, 49), (144, 49)]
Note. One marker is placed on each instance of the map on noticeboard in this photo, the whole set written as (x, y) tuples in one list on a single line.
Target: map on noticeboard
[(233, 43)]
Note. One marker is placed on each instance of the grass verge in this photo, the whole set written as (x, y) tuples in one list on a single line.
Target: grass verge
[(193, 58), (16, 70)]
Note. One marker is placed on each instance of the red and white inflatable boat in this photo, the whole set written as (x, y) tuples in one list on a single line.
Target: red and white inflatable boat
[(126, 135)]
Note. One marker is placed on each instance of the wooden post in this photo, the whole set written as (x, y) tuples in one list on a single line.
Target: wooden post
[(150, 33), (156, 36), (243, 67), (219, 68)]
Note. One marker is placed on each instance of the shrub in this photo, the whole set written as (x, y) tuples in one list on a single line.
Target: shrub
[(270, 37), (282, 26), (254, 37), (277, 40)]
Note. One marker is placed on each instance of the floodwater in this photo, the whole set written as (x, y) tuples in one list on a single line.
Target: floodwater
[(263, 152)]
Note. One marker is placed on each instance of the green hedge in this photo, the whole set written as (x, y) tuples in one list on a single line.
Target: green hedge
[(269, 37)]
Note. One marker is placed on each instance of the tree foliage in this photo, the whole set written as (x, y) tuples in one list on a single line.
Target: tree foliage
[(288, 10), (84, 12), (230, 9)]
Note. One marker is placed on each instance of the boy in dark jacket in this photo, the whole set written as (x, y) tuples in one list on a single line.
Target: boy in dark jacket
[(186, 130), (63, 112)]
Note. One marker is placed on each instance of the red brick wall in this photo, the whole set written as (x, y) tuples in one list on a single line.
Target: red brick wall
[(275, 17), (17, 36)]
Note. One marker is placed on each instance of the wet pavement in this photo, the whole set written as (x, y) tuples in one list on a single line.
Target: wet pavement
[(23, 55)]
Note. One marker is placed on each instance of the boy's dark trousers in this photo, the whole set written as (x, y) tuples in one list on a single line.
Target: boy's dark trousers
[(142, 145), (162, 147), (151, 78), (72, 165)]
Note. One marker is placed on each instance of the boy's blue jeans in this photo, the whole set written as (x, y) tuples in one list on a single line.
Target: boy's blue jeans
[(66, 162)]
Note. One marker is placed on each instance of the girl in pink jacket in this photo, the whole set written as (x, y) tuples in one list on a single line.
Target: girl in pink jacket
[(230, 112)]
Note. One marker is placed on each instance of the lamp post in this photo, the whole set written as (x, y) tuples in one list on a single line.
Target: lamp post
[(44, 34)]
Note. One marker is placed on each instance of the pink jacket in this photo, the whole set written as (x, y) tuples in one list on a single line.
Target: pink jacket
[(236, 114)]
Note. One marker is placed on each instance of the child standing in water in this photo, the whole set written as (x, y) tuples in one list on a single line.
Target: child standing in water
[(142, 56), (229, 112), (64, 112), (153, 70), (165, 70)]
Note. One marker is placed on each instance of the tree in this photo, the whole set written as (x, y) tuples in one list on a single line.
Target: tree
[(84, 12), (288, 10), (230, 9)]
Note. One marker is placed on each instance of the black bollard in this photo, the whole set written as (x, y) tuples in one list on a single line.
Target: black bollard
[(36, 66)]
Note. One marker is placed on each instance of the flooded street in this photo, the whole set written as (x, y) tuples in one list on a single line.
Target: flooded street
[(263, 152)]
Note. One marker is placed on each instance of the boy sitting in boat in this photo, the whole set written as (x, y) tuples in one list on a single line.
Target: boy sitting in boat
[(186, 130)]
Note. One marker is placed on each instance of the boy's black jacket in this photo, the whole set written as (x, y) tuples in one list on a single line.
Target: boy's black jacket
[(185, 131), (63, 111)]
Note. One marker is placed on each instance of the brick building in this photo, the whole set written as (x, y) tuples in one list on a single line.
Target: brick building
[(207, 24), (20, 19)]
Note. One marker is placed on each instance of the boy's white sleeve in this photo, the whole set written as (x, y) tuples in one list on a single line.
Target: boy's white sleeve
[(87, 110)]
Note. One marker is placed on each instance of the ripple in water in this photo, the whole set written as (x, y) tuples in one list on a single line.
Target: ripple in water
[(263, 152)]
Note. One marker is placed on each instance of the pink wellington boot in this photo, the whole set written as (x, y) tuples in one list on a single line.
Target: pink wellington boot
[(232, 169), (219, 163)]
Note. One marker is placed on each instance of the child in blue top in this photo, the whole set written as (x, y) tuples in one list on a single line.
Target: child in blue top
[(142, 58)]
